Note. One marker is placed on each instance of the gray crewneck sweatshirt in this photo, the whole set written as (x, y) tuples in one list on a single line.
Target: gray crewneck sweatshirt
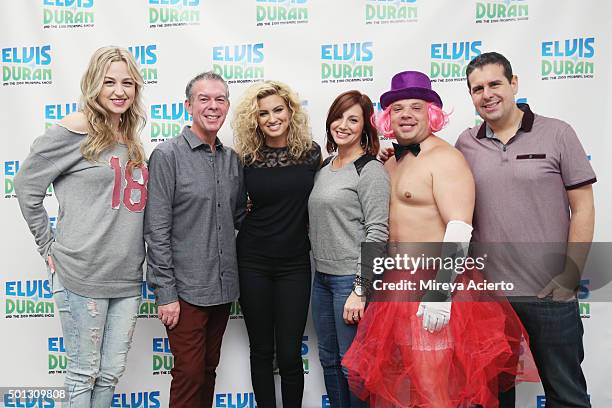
[(98, 246), (347, 208)]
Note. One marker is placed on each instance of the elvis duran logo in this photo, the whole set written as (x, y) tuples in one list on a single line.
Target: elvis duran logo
[(68, 13), (242, 63), (236, 311), (53, 222), (173, 13), (9, 171), (26, 65), (449, 60), (139, 399), (583, 295), (235, 400), (54, 112), (167, 120), (57, 355), (304, 353), (377, 107), (541, 401), (478, 119), (277, 12), (163, 360), (28, 298), (568, 59), (10, 167), (497, 11), (147, 308), (390, 11), (347, 62), (146, 57), (9, 400)]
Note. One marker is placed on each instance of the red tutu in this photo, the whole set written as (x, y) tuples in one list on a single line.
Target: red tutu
[(396, 363)]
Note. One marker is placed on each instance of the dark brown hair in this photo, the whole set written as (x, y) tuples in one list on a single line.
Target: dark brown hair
[(369, 138), (488, 58)]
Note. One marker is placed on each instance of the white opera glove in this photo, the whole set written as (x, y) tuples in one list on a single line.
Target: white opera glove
[(436, 315)]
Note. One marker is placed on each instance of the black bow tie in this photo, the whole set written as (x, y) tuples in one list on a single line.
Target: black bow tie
[(401, 150)]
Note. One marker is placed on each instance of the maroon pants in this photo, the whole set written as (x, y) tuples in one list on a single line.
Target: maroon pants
[(196, 346)]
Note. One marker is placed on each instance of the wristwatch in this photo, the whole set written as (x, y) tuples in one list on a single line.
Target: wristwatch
[(358, 289)]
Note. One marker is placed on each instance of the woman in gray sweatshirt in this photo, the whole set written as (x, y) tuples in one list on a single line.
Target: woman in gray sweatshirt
[(348, 205), (96, 163)]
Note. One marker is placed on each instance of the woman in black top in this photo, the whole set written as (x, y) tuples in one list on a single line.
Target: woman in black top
[(280, 159)]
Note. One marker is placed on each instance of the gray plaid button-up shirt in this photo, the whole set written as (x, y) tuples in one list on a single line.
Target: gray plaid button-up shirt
[(197, 199)]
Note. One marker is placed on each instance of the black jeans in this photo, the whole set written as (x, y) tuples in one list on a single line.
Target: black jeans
[(274, 297), (555, 338)]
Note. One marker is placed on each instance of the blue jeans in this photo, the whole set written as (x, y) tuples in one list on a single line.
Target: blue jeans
[(555, 339), (329, 294), (97, 336)]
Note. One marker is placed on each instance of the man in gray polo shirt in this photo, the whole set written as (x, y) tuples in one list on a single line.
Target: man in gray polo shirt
[(530, 171), (196, 198)]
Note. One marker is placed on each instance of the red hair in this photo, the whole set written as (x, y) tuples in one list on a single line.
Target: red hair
[(437, 119)]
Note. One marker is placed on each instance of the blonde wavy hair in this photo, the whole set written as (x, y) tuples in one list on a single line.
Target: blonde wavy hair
[(249, 139), (100, 133)]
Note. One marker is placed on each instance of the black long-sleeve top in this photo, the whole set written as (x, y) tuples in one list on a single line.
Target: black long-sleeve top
[(278, 187)]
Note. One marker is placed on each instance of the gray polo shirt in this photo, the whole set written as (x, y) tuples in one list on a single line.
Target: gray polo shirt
[(196, 200), (521, 194)]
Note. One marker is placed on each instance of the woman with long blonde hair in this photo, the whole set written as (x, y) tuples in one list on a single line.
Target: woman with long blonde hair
[(272, 137), (96, 163)]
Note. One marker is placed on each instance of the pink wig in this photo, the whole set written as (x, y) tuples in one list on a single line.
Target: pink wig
[(437, 119)]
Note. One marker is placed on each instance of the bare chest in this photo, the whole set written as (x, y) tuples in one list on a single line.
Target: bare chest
[(411, 183)]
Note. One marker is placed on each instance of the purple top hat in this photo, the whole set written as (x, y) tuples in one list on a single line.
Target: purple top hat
[(410, 85)]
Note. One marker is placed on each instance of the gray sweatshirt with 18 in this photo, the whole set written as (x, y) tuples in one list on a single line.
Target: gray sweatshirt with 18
[(98, 245)]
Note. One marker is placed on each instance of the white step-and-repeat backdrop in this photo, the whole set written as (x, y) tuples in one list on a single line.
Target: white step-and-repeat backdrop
[(560, 50)]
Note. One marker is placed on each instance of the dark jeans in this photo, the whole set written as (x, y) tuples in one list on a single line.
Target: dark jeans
[(555, 338), (274, 297), (196, 345), (329, 294)]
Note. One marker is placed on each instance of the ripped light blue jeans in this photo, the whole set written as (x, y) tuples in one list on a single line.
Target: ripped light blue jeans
[(97, 337)]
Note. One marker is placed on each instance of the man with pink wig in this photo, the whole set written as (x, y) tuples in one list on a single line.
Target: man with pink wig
[(432, 185), (411, 350)]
